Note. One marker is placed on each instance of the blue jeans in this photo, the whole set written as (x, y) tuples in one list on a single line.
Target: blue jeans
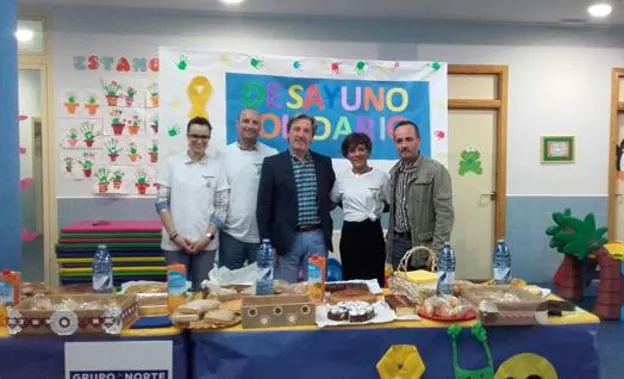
[(289, 266), (197, 266), (233, 253)]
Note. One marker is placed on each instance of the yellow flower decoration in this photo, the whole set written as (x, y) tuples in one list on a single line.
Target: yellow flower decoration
[(526, 365), (401, 362)]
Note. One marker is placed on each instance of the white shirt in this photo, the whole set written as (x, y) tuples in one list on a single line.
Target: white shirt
[(243, 173), (362, 195), (197, 190)]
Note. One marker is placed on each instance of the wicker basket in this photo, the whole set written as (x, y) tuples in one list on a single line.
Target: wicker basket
[(401, 284)]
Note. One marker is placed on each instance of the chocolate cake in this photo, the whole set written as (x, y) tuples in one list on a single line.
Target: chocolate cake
[(352, 311)]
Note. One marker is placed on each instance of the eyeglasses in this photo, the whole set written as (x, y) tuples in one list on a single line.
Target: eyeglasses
[(199, 137)]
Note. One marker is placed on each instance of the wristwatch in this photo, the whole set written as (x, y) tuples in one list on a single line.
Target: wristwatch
[(173, 236), (210, 236)]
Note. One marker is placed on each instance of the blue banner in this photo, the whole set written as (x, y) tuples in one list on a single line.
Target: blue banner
[(340, 107)]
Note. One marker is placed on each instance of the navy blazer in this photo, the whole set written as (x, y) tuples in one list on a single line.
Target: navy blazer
[(277, 209)]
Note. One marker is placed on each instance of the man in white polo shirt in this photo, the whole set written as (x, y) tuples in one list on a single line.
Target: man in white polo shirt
[(239, 239)]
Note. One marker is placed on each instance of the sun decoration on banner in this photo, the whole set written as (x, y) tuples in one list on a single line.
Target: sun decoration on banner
[(401, 361), (526, 365)]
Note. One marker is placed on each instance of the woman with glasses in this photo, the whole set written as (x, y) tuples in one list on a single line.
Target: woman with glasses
[(192, 200), (362, 192)]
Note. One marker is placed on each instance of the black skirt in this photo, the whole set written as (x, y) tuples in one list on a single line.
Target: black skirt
[(362, 250)]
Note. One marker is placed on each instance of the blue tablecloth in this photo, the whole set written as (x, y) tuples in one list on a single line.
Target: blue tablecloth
[(353, 353), (44, 357)]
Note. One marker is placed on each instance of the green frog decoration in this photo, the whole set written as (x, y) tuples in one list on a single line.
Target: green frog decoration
[(470, 162)]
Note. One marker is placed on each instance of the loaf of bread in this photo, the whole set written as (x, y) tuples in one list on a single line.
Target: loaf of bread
[(198, 306), (219, 316), (179, 318)]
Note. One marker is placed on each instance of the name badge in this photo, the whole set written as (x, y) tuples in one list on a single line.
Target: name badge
[(208, 180)]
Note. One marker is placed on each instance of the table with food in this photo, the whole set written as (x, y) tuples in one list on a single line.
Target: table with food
[(410, 328)]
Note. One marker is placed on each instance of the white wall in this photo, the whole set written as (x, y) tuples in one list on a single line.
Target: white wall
[(557, 85), (552, 90)]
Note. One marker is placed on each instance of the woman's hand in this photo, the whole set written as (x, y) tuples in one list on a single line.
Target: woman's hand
[(200, 245), (182, 242)]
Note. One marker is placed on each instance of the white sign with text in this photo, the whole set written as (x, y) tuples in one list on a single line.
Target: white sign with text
[(119, 360)]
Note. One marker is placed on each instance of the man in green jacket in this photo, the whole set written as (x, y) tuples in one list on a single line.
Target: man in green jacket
[(421, 200)]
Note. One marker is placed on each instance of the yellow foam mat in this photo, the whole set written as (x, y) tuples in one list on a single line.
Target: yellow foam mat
[(87, 270)]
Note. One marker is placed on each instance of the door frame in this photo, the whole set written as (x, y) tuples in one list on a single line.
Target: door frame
[(499, 104), (617, 107), (42, 61)]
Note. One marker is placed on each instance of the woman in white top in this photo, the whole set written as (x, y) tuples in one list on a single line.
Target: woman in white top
[(362, 192), (192, 201)]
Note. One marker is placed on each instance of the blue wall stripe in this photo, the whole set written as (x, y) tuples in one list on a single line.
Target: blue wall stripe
[(10, 219)]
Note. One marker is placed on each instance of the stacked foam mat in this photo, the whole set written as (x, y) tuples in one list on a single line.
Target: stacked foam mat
[(133, 245)]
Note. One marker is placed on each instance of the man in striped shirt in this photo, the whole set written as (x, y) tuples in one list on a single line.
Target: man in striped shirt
[(293, 201)]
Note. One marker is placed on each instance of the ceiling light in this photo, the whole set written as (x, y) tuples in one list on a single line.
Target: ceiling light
[(229, 2), (600, 9), (24, 34)]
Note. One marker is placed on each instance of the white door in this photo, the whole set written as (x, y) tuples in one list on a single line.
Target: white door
[(472, 165)]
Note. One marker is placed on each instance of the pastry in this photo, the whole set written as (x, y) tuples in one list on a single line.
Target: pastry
[(446, 306), (352, 295), (146, 287), (178, 318), (401, 305), (352, 311), (198, 306), (219, 316)]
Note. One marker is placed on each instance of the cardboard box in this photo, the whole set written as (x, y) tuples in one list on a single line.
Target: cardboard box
[(275, 310), (106, 314)]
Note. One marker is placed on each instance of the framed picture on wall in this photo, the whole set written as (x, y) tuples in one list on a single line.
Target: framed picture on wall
[(558, 149)]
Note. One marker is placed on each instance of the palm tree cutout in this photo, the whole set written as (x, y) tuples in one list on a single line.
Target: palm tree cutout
[(582, 244)]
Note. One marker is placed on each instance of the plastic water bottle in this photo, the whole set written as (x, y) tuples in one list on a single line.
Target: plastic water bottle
[(264, 261), (502, 263), (102, 270), (446, 269)]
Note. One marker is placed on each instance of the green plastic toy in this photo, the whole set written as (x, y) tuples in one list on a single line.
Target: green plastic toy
[(478, 332)]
